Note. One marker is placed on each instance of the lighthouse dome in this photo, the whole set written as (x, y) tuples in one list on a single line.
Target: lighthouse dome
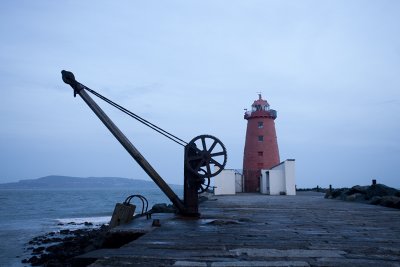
[(260, 108), (260, 104)]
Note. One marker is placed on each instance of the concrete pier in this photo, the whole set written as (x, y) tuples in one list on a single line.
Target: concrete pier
[(260, 230)]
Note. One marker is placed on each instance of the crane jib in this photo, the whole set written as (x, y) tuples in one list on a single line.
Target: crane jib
[(199, 153)]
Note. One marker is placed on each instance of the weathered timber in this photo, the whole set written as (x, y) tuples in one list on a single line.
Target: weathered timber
[(68, 78)]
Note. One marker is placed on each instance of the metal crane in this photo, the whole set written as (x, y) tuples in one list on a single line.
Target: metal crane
[(200, 153)]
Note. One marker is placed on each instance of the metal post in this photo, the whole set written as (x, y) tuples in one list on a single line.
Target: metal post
[(69, 78), (190, 196)]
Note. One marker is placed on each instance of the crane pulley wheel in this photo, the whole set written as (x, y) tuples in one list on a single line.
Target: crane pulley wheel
[(202, 152), (203, 185)]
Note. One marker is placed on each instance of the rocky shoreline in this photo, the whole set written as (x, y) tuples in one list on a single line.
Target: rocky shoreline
[(376, 194), (60, 248)]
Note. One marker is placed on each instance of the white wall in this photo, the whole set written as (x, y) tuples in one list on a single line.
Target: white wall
[(276, 182), (290, 175), (279, 179), (238, 183), (225, 183), (272, 182)]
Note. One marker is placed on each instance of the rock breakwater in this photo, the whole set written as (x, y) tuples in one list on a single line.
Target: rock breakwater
[(377, 194)]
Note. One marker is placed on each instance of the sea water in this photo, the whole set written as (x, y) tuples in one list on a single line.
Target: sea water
[(26, 213)]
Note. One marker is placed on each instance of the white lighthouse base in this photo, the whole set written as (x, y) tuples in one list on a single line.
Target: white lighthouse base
[(279, 180)]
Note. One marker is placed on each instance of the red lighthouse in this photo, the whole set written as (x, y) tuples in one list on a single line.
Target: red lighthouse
[(261, 146)]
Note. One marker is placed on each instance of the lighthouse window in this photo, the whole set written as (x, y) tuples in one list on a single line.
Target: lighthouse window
[(260, 124), (260, 153), (260, 138)]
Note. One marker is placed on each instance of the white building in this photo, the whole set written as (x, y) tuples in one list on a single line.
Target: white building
[(228, 182), (279, 180)]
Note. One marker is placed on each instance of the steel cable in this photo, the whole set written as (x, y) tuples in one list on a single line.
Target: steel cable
[(138, 118)]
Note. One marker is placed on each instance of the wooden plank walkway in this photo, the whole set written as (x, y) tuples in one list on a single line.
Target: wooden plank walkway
[(259, 230)]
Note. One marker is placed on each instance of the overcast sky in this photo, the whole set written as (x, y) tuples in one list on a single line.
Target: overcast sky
[(330, 68)]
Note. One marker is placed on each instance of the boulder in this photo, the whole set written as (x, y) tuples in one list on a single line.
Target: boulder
[(390, 201), (358, 189), (335, 193), (380, 190), (163, 208), (355, 197), (375, 200)]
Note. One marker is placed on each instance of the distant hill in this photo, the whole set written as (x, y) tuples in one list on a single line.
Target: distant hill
[(59, 182)]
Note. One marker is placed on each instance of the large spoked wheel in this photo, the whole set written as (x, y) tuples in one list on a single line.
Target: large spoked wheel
[(202, 152)]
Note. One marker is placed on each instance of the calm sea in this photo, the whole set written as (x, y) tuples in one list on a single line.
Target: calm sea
[(25, 214)]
